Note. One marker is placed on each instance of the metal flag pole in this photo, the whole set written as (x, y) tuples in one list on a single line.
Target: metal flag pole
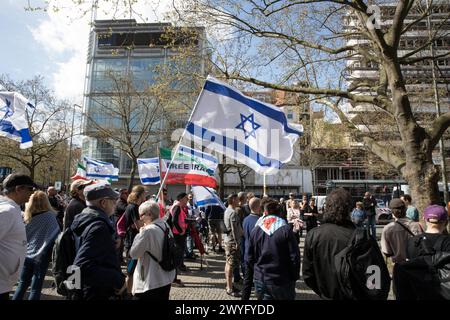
[(177, 148), (264, 184), (160, 177)]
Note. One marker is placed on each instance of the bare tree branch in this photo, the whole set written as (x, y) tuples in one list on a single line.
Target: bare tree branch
[(438, 127)]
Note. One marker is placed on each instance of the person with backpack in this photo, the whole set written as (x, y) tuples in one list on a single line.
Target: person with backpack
[(150, 280), (339, 259), (419, 277), (42, 228), (96, 258), (17, 189), (326, 241), (395, 235)]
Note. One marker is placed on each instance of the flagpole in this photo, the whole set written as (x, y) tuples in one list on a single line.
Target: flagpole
[(179, 141), (264, 184), (160, 177)]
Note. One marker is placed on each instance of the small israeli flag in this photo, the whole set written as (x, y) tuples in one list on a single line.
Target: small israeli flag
[(13, 118), (96, 169), (149, 171)]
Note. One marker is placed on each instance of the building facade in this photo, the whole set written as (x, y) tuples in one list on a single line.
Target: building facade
[(136, 52), (418, 76)]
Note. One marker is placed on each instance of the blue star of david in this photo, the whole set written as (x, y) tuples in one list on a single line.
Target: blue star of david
[(251, 120), (7, 109)]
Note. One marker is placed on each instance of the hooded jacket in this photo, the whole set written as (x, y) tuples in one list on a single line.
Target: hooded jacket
[(13, 243), (96, 256)]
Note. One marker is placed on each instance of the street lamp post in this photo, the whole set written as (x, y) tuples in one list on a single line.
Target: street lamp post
[(438, 111), (71, 138)]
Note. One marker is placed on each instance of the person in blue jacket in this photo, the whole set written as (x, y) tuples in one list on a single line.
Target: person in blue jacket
[(101, 276)]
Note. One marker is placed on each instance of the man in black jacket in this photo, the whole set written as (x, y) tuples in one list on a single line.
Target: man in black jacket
[(77, 203), (324, 242), (101, 276), (370, 204), (273, 257)]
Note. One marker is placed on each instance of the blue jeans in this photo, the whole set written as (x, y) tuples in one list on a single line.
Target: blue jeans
[(272, 292), (33, 273), (371, 226)]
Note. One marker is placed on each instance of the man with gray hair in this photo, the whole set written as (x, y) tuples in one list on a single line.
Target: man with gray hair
[(101, 276), (150, 280)]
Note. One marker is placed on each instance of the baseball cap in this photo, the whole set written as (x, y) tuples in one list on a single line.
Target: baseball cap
[(18, 179), (98, 191), (75, 186), (396, 204), (435, 212)]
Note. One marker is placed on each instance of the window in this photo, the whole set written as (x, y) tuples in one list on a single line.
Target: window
[(290, 115), (439, 43)]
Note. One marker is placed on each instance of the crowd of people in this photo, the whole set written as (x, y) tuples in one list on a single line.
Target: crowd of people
[(151, 238)]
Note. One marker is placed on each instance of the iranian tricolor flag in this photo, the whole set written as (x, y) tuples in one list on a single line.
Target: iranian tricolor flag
[(81, 173), (188, 169)]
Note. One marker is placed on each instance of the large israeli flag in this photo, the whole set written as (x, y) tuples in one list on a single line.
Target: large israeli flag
[(254, 133), (149, 171), (96, 169), (204, 196), (13, 118)]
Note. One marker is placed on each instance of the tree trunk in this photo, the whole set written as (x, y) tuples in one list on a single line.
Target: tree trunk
[(422, 178), (221, 181), (132, 174)]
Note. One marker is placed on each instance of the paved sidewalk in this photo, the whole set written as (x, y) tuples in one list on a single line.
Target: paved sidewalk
[(205, 284)]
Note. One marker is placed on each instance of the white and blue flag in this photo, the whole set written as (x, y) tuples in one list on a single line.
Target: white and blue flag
[(249, 131), (96, 169), (149, 171), (205, 196), (13, 118)]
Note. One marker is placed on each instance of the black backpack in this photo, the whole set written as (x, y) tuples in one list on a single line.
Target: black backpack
[(426, 277), (357, 267), (171, 253), (63, 256)]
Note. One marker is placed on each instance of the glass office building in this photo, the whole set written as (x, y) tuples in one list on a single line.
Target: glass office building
[(125, 48)]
